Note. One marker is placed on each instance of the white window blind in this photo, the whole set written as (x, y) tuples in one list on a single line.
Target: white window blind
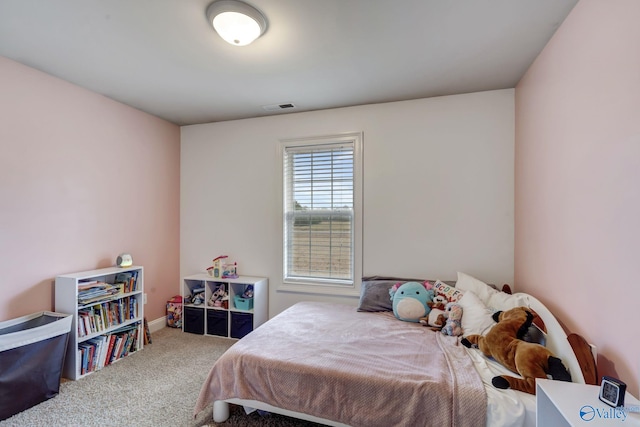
[(319, 213)]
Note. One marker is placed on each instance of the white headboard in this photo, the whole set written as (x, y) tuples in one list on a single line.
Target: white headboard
[(557, 339)]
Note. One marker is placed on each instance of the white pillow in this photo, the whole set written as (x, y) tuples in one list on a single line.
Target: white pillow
[(500, 301), (476, 317), (478, 287), (491, 297)]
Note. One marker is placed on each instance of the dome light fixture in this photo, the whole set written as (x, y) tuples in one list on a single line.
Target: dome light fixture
[(238, 23)]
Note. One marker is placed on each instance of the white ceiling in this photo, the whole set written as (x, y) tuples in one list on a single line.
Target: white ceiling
[(163, 57)]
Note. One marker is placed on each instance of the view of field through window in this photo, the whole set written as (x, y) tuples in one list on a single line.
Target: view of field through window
[(321, 246), (319, 214)]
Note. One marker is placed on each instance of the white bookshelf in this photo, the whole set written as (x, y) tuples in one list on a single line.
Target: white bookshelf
[(112, 325), (231, 321)]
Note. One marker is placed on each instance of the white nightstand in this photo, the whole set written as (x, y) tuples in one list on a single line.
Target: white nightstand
[(560, 403)]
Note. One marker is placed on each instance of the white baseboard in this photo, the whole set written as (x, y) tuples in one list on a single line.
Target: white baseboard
[(157, 324)]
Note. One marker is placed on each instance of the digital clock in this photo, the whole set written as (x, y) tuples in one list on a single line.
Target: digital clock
[(612, 391)]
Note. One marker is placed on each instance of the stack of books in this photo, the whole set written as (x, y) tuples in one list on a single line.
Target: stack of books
[(95, 291)]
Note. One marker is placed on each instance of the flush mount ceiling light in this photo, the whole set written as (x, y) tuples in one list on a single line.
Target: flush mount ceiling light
[(236, 22)]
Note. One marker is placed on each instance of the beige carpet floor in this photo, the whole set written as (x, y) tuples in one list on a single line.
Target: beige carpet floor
[(155, 387)]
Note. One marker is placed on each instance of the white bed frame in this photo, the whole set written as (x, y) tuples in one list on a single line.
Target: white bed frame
[(556, 342), (221, 411)]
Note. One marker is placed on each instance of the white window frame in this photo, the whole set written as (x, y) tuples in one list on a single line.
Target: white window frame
[(327, 286)]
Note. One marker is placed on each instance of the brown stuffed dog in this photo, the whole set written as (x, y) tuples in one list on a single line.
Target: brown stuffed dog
[(436, 318), (503, 342)]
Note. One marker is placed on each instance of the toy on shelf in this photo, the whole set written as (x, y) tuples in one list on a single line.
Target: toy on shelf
[(248, 292), (219, 297), (216, 268), (223, 268), (230, 270), (196, 297)]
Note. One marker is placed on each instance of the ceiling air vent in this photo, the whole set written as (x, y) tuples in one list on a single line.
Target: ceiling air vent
[(279, 107)]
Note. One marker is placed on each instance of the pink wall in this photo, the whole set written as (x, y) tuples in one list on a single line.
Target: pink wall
[(577, 171), (82, 178)]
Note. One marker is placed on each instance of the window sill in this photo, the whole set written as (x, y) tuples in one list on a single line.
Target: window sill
[(347, 291)]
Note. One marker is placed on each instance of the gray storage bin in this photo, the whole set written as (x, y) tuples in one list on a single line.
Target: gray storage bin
[(32, 351)]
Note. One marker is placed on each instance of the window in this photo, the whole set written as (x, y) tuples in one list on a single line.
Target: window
[(322, 200)]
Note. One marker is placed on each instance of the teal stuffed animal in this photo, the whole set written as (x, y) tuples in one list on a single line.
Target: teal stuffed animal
[(410, 300)]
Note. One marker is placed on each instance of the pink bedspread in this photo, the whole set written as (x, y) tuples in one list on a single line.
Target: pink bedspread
[(361, 369)]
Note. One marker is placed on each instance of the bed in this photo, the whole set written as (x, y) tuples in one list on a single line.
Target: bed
[(341, 365)]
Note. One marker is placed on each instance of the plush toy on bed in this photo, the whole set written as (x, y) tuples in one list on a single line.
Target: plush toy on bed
[(453, 326), (437, 317), (503, 342), (410, 300)]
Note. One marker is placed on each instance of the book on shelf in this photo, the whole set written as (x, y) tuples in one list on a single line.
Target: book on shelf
[(124, 343), (127, 344), (93, 293), (82, 286), (86, 350), (97, 315), (95, 290), (100, 344), (127, 281), (100, 317), (83, 327), (107, 357), (147, 332), (80, 360), (116, 348), (85, 324), (98, 352)]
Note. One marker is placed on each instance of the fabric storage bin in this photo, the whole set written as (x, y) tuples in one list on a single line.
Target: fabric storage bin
[(241, 324), (217, 322), (194, 320), (243, 303), (32, 351)]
